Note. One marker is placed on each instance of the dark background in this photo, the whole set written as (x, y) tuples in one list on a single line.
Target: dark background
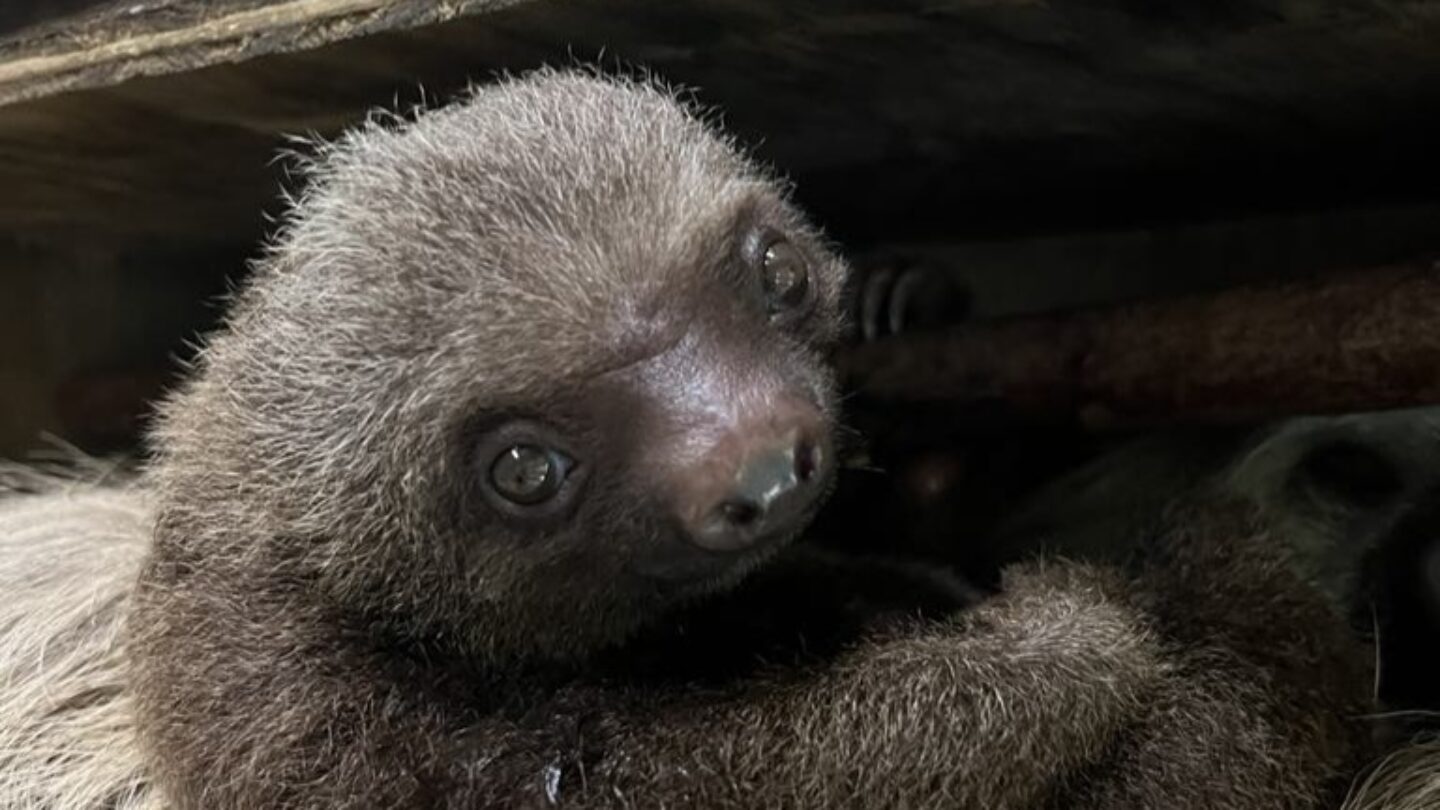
[(1048, 155)]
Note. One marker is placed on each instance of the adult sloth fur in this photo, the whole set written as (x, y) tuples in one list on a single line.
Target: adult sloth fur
[(482, 499)]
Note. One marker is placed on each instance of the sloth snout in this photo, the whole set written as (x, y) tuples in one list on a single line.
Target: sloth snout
[(761, 479)]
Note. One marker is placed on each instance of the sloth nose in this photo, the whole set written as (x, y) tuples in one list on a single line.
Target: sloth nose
[(767, 480)]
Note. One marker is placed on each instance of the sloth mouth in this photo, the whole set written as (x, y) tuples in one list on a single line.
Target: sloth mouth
[(684, 569), (681, 561)]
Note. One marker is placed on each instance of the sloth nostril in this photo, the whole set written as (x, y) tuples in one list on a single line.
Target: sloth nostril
[(740, 513), (807, 460), (758, 482)]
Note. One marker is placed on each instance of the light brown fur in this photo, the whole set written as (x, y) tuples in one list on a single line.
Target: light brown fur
[(72, 553)]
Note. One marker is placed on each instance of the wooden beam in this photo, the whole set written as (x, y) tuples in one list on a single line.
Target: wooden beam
[(1354, 342), (115, 50)]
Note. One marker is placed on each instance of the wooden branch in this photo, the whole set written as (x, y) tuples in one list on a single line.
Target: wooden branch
[(110, 51), (1361, 341)]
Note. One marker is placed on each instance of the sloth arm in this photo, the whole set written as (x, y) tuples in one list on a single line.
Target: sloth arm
[(1207, 674), (1040, 678), (1080, 686), (988, 708)]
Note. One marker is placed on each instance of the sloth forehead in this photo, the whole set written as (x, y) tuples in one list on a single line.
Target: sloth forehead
[(546, 228), (555, 156), (557, 186), (533, 311)]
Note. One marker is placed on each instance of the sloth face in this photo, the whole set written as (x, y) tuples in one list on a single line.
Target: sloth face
[(699, 453), (554, 350), (532, 475)]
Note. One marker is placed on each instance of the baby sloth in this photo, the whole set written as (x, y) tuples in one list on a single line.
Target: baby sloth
[(516, 378), (458, 512)]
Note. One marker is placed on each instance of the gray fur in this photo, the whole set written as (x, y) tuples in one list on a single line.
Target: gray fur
[(321, 620)]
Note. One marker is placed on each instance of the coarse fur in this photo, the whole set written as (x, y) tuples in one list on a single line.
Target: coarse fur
[(1406, 779), (328, 614)]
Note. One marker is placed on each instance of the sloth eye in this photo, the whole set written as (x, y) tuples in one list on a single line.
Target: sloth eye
[(784, 275), (528, 474)]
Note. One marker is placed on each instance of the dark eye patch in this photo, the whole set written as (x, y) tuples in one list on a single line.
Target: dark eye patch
[(525, 468)]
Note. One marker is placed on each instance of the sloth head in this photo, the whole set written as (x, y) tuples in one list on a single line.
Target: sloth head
[(515, 374)]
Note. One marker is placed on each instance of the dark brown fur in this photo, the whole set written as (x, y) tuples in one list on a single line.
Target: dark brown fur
[(330, 619)]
